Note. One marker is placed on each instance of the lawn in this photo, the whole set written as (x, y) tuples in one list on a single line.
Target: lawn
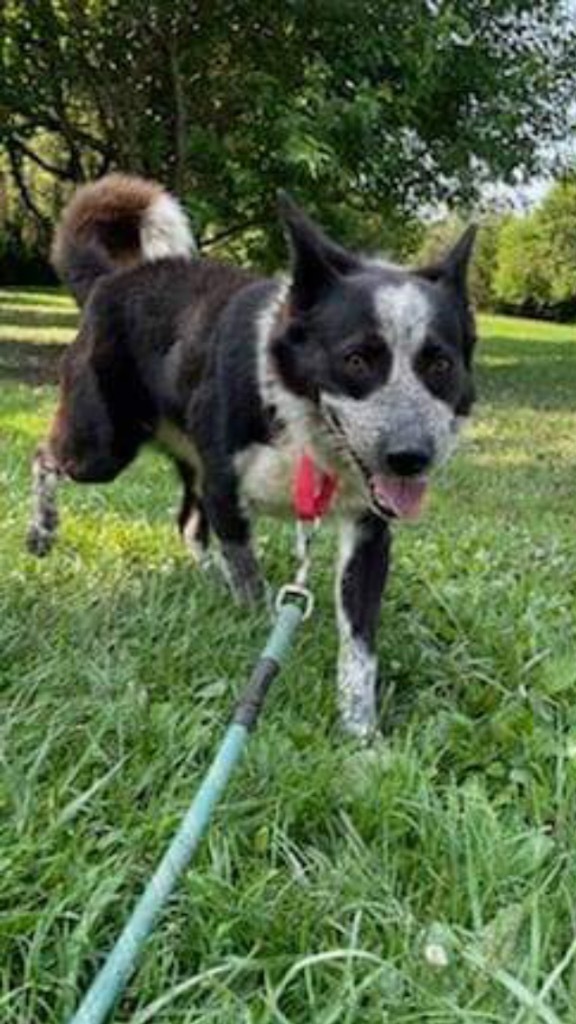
[(432, 879)]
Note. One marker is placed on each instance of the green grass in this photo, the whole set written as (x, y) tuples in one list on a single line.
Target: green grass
[(332, 879)]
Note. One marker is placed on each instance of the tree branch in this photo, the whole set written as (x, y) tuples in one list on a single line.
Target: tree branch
[(58, 172), (17, 173), (222, 236), (51, 123)]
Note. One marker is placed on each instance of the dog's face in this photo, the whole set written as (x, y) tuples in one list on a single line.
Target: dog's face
[(384, 357)]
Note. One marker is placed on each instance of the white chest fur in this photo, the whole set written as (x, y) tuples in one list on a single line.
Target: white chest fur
[(266, 474)]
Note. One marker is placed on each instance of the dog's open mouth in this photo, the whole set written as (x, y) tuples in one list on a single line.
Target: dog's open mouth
[(394, 497), (398, 497)]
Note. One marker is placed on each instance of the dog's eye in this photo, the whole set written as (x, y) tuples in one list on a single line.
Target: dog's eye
[(439, 364), (356, 362)]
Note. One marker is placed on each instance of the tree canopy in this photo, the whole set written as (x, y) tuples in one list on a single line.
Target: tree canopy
[(365, 110)]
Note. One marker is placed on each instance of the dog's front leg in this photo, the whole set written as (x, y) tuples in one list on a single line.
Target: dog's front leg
[(238, 562), (363, 568)]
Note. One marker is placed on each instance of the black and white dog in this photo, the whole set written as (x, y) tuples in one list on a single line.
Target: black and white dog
[(364, 365)]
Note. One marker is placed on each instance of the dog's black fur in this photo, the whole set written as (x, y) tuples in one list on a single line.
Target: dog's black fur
[(216, 364)]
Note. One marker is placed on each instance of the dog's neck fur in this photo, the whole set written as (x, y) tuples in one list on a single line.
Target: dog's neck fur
[(296, 415)]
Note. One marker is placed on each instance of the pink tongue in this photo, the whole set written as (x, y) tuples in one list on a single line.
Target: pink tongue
[(402, 496)]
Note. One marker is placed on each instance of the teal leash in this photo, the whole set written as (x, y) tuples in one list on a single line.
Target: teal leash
[(294, 604)]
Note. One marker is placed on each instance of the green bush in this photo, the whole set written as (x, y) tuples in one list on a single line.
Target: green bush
[(520, 281), (536, 259)]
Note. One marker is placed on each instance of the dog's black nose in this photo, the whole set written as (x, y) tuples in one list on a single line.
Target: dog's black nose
[(410, 462)]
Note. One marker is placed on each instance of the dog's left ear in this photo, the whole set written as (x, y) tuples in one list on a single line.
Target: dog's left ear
[(453, 267), (317, 262)]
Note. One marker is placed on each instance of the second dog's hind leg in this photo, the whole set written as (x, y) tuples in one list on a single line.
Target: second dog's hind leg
[(192, 519), (46, 475), (84, 444)]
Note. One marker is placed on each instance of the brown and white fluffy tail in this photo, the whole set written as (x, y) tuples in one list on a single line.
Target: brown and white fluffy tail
[(115, 222)]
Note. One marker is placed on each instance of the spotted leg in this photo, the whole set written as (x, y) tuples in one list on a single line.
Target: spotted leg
[(46, 475), (86, 443), (363, 568)]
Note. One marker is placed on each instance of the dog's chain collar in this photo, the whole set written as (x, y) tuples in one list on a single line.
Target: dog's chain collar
[(333, 426), (331, 423)]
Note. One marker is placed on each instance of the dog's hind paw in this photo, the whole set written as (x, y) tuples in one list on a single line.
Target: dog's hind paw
[(39, 540)]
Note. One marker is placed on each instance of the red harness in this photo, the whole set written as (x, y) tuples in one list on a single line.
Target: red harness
[(313, 489)]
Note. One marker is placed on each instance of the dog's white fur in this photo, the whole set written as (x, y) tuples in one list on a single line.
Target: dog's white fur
[(404, 313), (357, 667), (403, 407), (165, 231), (267, 472), (402, 410)]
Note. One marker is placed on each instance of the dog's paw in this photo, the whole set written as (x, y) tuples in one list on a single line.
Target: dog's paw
[(242, 573), (358, 714), (249, 591), (39, 540), (364, 764), (361, 734)]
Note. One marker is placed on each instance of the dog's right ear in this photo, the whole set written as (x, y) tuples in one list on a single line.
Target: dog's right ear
[(317, 262), (453, 266)]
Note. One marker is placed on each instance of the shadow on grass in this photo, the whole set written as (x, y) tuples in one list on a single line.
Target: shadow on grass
[(535, 374), (28, 363), (12, 314), (33, 296)]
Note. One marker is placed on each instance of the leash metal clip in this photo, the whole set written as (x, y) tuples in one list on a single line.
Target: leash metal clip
[(305, 532), (294, 590)]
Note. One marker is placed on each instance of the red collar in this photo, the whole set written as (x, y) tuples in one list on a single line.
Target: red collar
[(313, 489)]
